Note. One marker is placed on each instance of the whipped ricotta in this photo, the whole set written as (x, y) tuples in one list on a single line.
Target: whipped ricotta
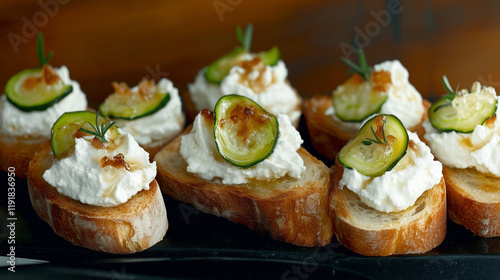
[(398, 189), (200, 152), (275, 94), (479, 149), (163, 125), (81, 176), (403, 100), (17, 123)]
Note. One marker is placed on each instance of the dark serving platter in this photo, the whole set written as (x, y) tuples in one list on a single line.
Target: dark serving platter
[(201, 246)]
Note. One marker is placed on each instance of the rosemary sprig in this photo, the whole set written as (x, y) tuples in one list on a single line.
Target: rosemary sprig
[(98, 132), (450, 93), (245, 38), (377, 140), (42, 59), (362, 69)]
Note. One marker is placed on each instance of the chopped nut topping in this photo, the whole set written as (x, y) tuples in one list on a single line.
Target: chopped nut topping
[(118, 161)]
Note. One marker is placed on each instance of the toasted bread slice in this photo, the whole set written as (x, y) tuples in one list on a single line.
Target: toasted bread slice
[(473, 200), (191, 111), (292, 210), (327, 135), (17, 152), (130, 227), (369, 232)]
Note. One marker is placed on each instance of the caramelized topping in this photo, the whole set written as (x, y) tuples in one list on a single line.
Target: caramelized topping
[(147, 89), (122, 88), (118, 161), (49, 77), (355, 79), (379, 123), (490, 123), (96, 143), (247, 120), (412, 145), (80, 134), (257, 85), (381, 81)]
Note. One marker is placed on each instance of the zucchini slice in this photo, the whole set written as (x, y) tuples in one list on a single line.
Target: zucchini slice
[(39, 96), (117, 106), (357, 99), (220, 68), (463, 113), (379, 145), (64, 130), (270, 57), (245, 133)]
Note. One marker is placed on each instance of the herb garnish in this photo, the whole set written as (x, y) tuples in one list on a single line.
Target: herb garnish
[(362, 69), (246, 37), (377, 140), (41, 53), (450, 93), (98, 132)]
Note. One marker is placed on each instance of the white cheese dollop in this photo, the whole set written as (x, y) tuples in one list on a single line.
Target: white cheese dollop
[(398, 189), (17, 123), (278, 97), (161, 126), (403, 100), (200, 152), (81, 177), (479, 149)]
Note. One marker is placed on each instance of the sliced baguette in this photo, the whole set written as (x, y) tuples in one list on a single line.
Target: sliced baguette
[(473, 200), (369, 232), (327, 135), (17, 152), (293, 210), (130, 227)]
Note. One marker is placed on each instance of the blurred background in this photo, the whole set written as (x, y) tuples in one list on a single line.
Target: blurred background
[(105, 41)]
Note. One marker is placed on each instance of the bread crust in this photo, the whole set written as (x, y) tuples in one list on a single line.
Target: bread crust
[(191, 111), (130, 227), (417, 229), (473, 200), (292, 210), (17, 152), (327, 135)]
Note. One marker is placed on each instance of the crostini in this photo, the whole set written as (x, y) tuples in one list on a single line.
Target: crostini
[(243, 163), (94, 185)]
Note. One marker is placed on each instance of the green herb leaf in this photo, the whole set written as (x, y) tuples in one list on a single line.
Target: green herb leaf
[(245, 38), (98, 132), (377, 140), (450, 93), (363, 70), (42, 59)]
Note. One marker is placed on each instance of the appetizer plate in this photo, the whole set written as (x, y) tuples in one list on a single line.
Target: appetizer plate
[(201, 246)]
